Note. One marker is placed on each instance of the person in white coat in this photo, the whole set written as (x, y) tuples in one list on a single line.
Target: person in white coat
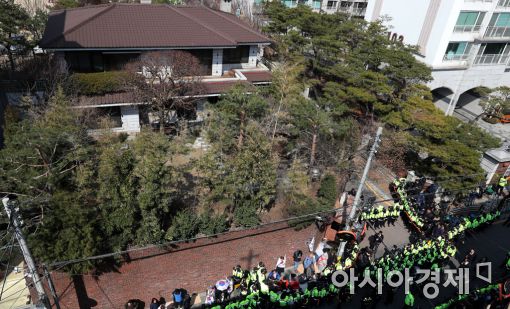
[(280, 264)]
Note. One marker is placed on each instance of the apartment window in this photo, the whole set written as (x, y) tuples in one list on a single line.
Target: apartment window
[(331, 5), (492, 53), (316, 4), (236, 55), (469, 21), (504, 3), (345, 5), (290, 3), (499, 26), (457, 51)]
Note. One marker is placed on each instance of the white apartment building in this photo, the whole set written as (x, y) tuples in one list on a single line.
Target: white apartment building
[(465, 42), (354, 7)]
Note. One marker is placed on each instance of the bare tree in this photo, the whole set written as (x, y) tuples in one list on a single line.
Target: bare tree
[(168, 81)]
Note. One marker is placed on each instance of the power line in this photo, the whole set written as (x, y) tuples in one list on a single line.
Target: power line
[(7, 268), (296, 218)]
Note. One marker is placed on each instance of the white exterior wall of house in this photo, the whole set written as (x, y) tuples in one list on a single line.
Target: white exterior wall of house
[(217, 62), (431, 25), (130, 118)]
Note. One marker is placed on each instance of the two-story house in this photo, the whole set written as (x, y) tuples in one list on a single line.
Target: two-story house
[(106, 37)]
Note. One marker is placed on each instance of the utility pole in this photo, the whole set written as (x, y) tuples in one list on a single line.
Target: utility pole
[(12, 213), (52, 287), (357, 198)]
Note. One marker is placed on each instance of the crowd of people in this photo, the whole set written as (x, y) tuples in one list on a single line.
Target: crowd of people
[(308, 282)]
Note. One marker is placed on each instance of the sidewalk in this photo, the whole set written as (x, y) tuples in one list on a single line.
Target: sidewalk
[(15, 294)]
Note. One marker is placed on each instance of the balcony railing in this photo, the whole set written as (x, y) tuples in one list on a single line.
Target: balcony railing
[(359, 12), (456, 57), (353, 11), (497, 32), (491, 59), (504, 3), (467, 28)]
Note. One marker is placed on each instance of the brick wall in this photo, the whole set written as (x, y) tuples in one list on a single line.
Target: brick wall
[(194, 266)]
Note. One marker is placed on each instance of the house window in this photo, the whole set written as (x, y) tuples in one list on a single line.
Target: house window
[(112, 114), (499, 26), (316, 4), (469, 21), (204, 57), (331, 5), (457, 51), (236, 55), (117, 62)]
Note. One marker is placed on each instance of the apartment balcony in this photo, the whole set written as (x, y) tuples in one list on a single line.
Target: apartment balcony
[(491, 59), (353, 11), (466, 28), (454, 61), (461, 57), (497, 32), (503, 4)]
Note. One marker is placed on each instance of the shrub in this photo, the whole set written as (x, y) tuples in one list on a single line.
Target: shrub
[(303, 205), (246, 215), (211, 224), (98, 83), (185, 225), (327, 192)]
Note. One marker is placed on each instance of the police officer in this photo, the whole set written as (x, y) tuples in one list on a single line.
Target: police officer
[(502, 183), (409, 300)]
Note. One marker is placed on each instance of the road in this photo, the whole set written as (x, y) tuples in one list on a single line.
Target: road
[(492, 242)]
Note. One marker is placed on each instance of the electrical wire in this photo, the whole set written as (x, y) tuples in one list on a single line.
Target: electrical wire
[(8, 266), (112, 254)]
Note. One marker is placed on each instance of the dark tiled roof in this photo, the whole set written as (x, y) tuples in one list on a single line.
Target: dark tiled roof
[(257, 76), (212, 88), (145, 26), (208, 89), (111, 98)]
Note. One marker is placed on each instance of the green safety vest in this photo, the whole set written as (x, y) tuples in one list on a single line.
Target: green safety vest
[(409, 300), (315, 292), (502, 182), (273, 297), (323, 293), (245, 303)]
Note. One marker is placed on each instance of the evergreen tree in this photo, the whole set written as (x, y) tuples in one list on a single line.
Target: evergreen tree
[(154, 184), (117, 193)]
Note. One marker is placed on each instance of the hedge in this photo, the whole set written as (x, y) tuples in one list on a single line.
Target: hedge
[(98, 83)]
